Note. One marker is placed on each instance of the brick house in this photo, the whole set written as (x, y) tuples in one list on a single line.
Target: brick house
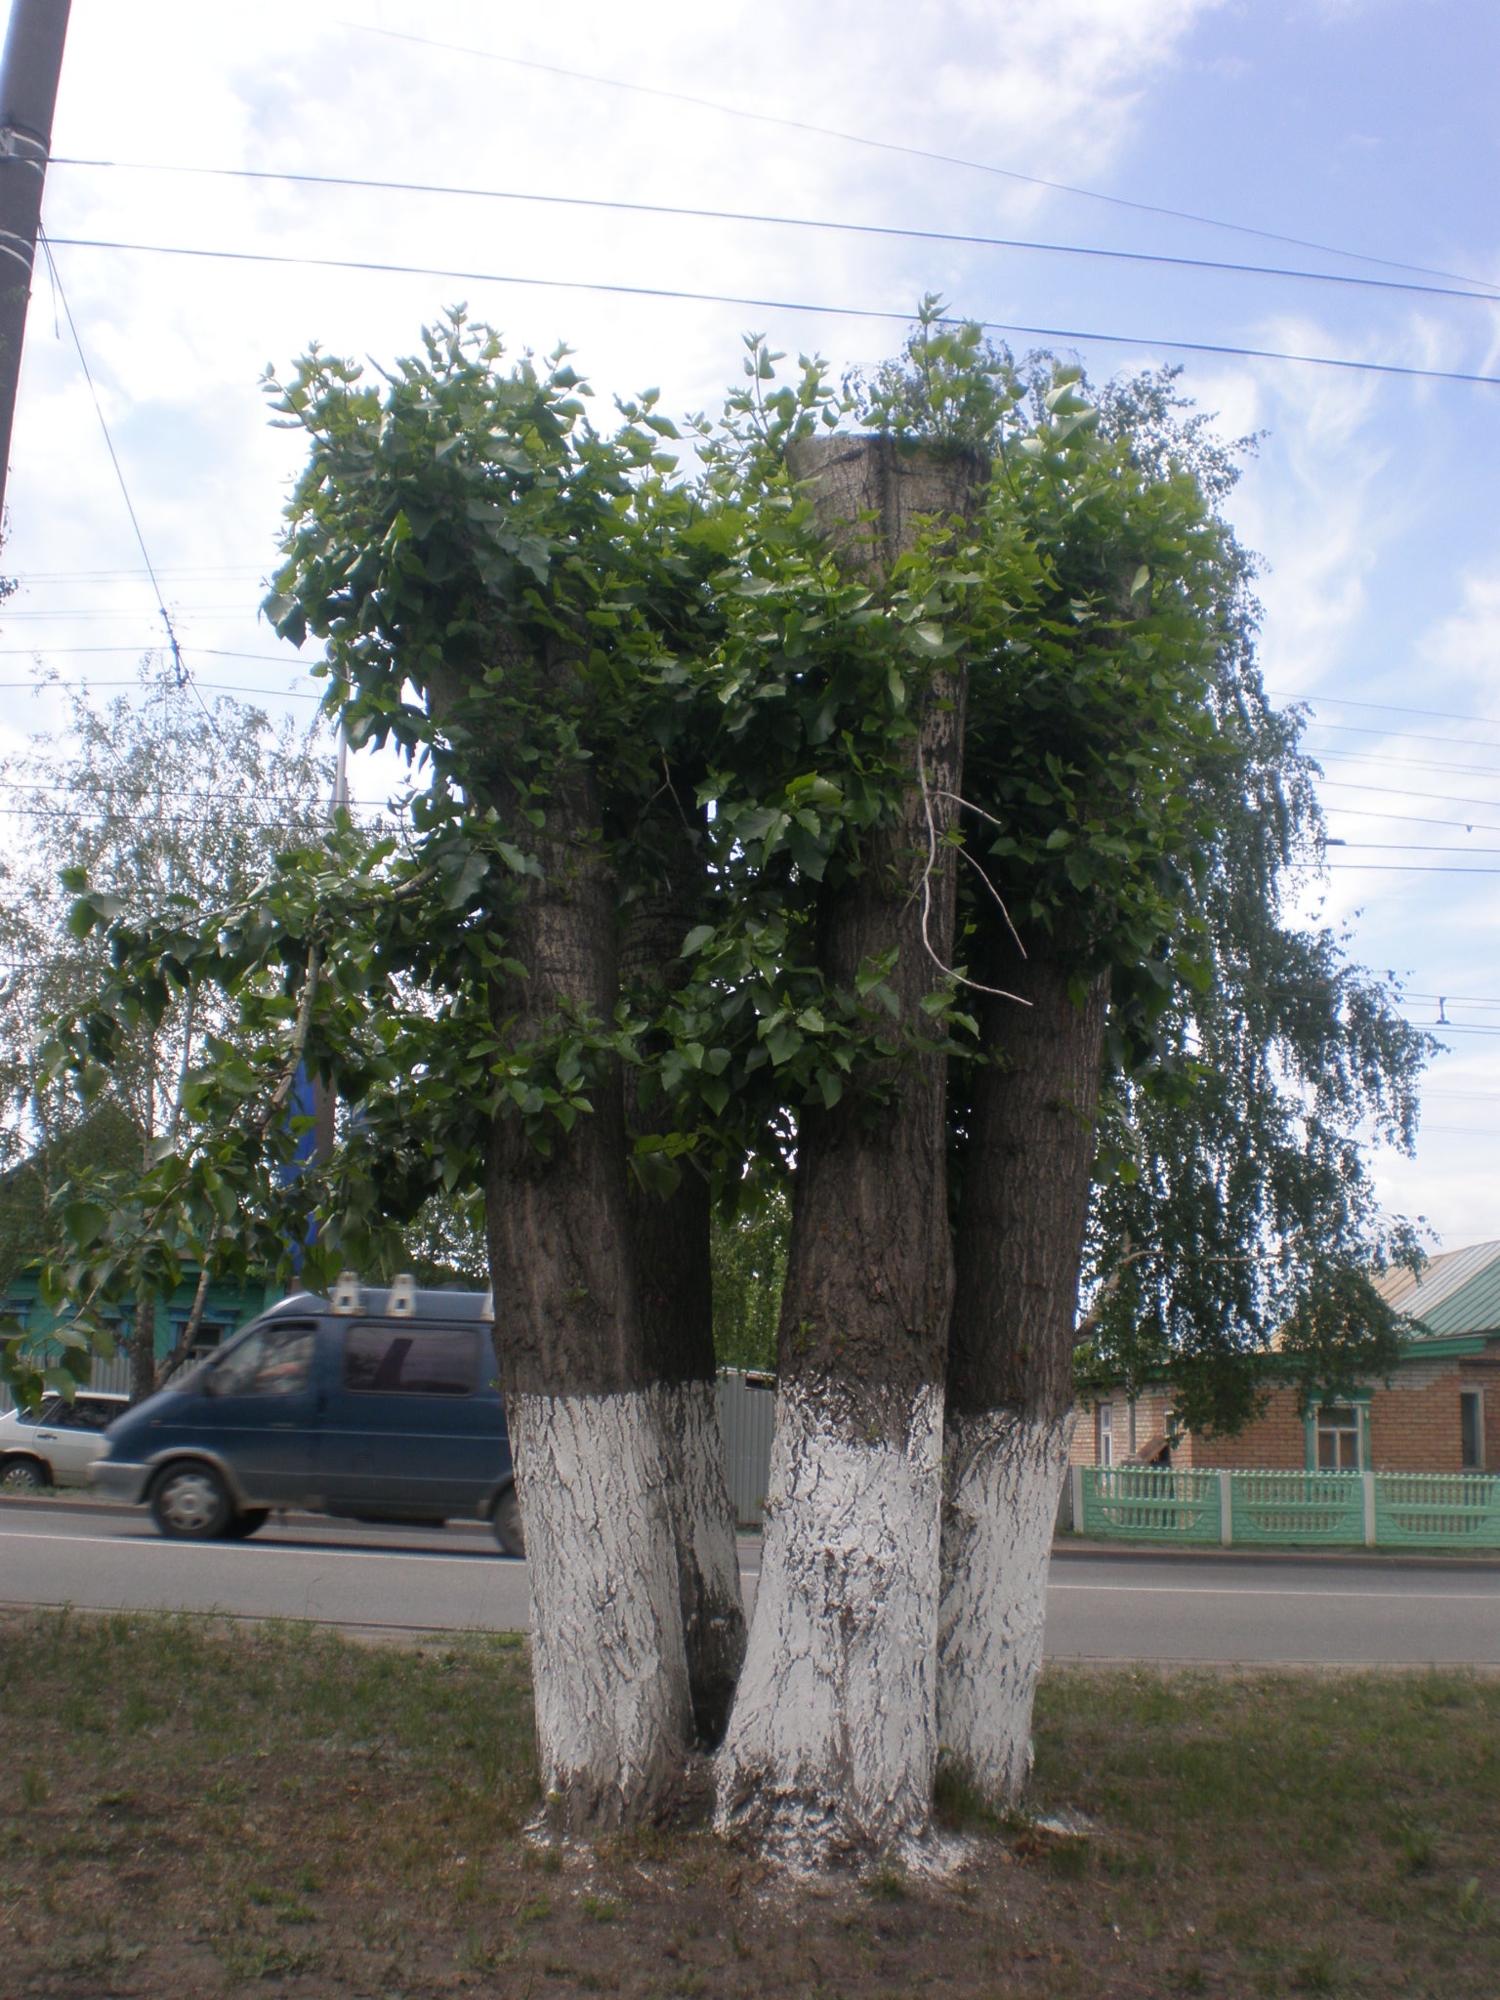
[(1440, 1411)]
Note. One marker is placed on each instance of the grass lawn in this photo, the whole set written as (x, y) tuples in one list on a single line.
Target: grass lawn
[(188, 1809)]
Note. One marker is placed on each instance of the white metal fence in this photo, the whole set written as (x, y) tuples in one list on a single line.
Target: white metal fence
[(747, 1408)]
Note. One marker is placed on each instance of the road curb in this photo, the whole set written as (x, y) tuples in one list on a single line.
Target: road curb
[(1074, 1546), (63, 1503)]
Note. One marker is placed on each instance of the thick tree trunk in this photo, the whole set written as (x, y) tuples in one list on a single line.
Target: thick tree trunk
[(671, 1239), (832, 1742), (1023, 1209), (614, 1717)]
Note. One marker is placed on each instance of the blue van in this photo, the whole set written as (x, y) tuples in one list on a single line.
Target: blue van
[(379, 1405)]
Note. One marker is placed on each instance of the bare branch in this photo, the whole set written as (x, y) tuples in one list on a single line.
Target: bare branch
[(1106, 1292), (999, 899), (971, 807), (997, 992)]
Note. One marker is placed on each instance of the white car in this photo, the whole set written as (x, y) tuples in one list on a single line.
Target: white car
[(56, 1446)]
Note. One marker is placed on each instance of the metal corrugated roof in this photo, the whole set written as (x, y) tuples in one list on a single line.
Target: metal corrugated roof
[(1458, 1292), (1441, 1277)]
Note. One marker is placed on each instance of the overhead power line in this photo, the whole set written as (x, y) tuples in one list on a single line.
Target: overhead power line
[(209, 652), (727, 110), (962, 239), (214, 687), (1408, 847), (1385, 707), (114, 457), (1348, 758), (1408, 792), (1413, 819), (378, 267), (1390, 734)]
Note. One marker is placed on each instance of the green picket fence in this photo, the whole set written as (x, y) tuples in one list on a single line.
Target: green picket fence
[(1303, 1509), (1147, 1504), (1415, 1510), (1265, 1509)]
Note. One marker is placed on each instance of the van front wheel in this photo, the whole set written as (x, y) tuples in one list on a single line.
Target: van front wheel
[(506, 1522), (191, 1503)]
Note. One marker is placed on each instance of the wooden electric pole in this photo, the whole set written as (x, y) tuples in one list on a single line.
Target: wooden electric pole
[(29, 70)]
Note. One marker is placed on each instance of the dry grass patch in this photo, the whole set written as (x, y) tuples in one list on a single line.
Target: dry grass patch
[(189, 1809)]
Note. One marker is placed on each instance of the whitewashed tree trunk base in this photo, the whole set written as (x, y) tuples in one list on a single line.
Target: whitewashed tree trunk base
[(613, 1716), (708, 1560), (1003, 1478), (831, 1746)]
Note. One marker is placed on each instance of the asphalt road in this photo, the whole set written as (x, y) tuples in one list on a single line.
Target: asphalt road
[(1101, 1605)]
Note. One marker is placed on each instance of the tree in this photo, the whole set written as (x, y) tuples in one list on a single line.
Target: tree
[(538, 584), (1231, 1223), (165, 807), (836, 1700), (736, 790)]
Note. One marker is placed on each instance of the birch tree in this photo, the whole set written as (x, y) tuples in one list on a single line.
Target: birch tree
[(164, 805)]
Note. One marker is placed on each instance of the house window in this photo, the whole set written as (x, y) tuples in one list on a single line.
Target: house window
[(1338, 1438), (1471, 1430), (1106, 1418)]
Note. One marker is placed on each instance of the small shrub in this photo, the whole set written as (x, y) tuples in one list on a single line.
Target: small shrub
[(958, 1805), (887, 1884)]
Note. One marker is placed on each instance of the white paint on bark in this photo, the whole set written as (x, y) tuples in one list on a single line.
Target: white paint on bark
[(708, 1560), (613, 1717), (831, 1744), (1003, 1476)]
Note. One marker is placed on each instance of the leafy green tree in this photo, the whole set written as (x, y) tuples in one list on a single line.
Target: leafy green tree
[(164, 807), (1230, 1057), (845, 813), (749, 1272)]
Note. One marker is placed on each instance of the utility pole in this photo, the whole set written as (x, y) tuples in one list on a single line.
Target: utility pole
[(29, 70)]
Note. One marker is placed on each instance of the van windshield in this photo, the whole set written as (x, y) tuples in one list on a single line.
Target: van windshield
[(274, 1360)]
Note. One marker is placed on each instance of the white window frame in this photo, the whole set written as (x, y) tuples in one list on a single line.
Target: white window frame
[(1105, 1433), (1339, 1430)]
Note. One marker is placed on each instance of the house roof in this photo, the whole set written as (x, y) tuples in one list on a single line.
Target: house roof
[(1457, 1292)]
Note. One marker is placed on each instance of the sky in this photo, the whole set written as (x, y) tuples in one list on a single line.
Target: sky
[(1354, 140)]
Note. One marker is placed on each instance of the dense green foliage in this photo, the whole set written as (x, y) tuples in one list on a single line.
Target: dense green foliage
[(1235, 1226), (545, 619), (166, 808), (749, 1267)]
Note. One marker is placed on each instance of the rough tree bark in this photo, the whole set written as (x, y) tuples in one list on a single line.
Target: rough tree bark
[(671, 1239), (1022, 1212), (832, 1741), (143, 1351), (613, 1709)]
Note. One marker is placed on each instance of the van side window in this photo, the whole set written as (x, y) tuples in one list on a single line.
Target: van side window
[(440, 1361), (271, 1361)]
